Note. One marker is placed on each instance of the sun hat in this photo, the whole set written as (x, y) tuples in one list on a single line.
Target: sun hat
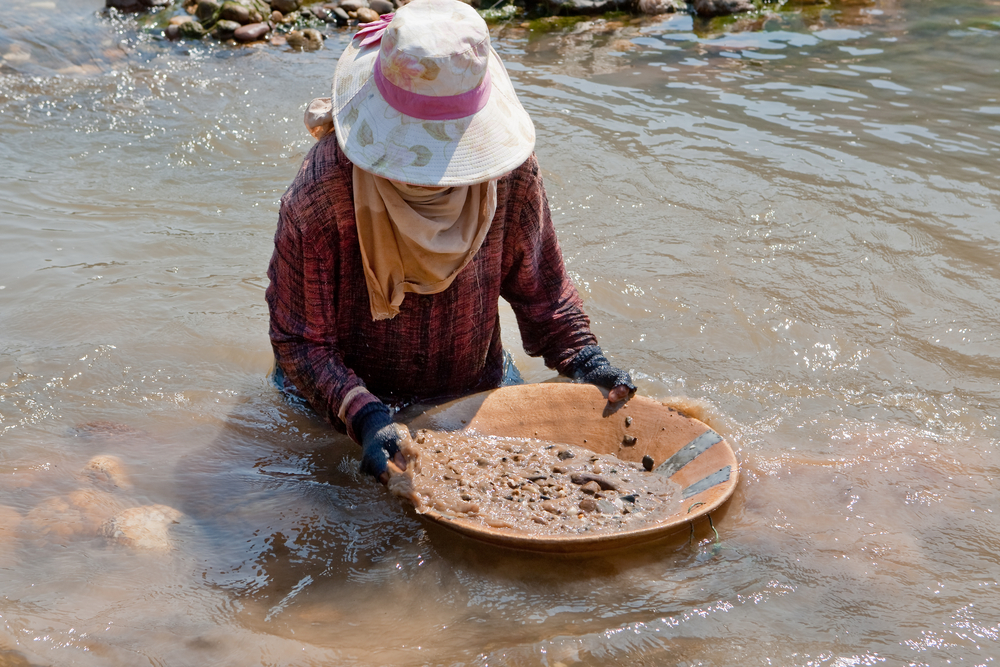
[(421, 97)]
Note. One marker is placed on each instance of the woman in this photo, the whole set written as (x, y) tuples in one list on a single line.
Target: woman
[(403, 229)]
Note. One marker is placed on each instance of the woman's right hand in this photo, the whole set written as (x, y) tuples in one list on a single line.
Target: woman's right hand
[(379, 437)]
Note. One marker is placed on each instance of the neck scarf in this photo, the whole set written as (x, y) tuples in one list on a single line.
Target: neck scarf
[(416, 239)]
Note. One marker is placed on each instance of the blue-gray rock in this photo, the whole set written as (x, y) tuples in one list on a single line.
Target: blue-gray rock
[(381, 6)]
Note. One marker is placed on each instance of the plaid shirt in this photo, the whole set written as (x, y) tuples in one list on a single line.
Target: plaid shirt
[(440, 345)]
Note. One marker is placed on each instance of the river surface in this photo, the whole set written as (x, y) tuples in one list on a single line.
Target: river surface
[(791, 218)]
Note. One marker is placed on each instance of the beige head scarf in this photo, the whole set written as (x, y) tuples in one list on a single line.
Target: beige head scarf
[(417, 239), (413, 239)]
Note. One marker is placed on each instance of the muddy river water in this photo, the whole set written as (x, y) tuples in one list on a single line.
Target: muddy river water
[(792, 218)]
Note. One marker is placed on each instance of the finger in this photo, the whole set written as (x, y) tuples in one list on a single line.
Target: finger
[(618, 393)]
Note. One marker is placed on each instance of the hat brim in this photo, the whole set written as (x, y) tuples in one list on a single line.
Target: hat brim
[(374, 136)]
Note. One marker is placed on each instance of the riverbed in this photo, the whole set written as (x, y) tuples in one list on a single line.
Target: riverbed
[(790, 218)]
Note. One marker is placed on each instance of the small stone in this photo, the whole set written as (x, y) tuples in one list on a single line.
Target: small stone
[(251, 32), (314, 39), (207, 10), (606, 507), (588, 505), (583, 478), (628, 441), (277, 17), (591, 488), (647, 463), (179, 19), (367, 15), (285, 6), (234, 11), (381, 6), (342, 17), (661, 6), (192, 30), (564, 454), (172, 32), (225, 29), (628, 422), (352, 5)]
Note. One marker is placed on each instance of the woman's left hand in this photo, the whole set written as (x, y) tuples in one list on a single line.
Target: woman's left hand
[(591, 366)]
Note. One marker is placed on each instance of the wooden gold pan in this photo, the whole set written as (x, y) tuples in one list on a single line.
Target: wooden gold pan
[(685, 449)]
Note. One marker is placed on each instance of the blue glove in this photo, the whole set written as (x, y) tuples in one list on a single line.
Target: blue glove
[(592, 367), (379, 438)]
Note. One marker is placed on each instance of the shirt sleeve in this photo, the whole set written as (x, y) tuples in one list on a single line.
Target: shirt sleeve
[(548, 307), (302, 322)]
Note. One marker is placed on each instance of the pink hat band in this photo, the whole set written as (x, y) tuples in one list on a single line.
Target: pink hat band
[(432, 107)]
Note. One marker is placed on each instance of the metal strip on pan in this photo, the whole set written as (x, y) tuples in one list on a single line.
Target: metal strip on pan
[(716, 478), (688, 453)]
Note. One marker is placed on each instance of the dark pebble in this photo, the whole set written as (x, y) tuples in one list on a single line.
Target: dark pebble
[(647, 462), (172, 32), (251, 32), (565, 454), (588, 505), (628, 440), (381, 6)]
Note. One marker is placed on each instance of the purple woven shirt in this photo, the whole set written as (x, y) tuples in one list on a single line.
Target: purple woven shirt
[(440, 345)]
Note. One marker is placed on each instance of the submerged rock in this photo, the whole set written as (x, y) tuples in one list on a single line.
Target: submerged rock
[(308, 39), (107, 470), (10, 519), (146, 528)]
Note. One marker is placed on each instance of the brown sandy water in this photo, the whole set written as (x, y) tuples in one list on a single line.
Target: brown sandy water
[(793, 220)]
